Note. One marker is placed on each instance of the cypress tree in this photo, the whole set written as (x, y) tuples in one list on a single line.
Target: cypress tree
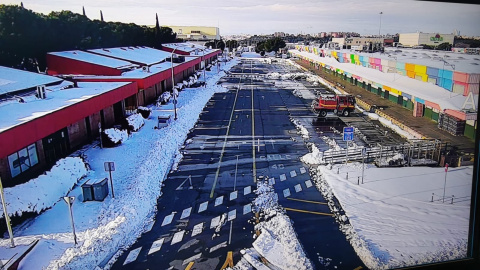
[(101, 16), (83, 8)]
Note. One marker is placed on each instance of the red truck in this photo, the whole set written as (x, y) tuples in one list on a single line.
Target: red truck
[(338, 104)]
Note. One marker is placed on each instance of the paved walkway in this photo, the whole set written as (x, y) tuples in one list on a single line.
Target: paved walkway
[(424, 126)]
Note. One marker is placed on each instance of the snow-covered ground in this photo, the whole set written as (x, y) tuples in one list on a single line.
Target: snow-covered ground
[(391, 220), (104, 227)]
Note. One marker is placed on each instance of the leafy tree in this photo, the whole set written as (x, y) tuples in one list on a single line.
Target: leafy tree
[(231, 44), (269, 45), (27, 36), (216, 44)]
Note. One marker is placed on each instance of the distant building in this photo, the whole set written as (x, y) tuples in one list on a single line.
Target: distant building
[(279, 34), (196, 33), (360, 43), (419, 38)]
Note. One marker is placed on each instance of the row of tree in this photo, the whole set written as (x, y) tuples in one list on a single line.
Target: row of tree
[(270, 45), (27, 36)]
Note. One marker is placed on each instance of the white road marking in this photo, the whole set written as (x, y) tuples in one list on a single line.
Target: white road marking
[(202, 207), (218, 200), (283, 177), (193, 258), (177, 237), (247, 190), (219, 246), (247, 208), (168, 219), (186, 213), (271, 181), (232, 215), (215, 222), (156, 246), (308, 183), (298, 188), (197, 229), (132, 256), (233, 195), (286, 192), (303, 170), (293, 173)]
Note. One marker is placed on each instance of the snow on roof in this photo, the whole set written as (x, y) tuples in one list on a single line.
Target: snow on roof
[(94, 59), (13, 80), (423, 90), (140, 54), (13, 113), (192, 48), (431, 58)]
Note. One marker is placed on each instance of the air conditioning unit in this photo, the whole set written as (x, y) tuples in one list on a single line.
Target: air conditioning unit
[(146, 68), (41, 92)]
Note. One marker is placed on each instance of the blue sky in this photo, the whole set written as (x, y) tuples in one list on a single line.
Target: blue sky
[(268, 16)]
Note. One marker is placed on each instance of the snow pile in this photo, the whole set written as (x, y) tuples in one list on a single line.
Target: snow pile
[(277, 241), (45, 190), (116, 135), (315, 157), (301, 129), (135, 121), (332, 143), (163, 98)]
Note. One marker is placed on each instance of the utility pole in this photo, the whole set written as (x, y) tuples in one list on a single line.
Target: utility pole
[(69, 201), (5, 214)]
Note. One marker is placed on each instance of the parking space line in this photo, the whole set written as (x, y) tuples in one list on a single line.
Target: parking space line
[(202, 207), (219, 246), (168, 219), (156, 246), (177, 237), (186, 213), (132, 256), (218, 201), (293, 199), (309, 212)]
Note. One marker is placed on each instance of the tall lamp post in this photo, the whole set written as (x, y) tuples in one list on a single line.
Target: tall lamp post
[(5, 214), (173, 87), (380, 28)]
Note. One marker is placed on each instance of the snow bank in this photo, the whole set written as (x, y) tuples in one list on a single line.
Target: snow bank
[(135, 121), (116, 135), (277, 241), (45, 190), (301, 129), (315, 157)]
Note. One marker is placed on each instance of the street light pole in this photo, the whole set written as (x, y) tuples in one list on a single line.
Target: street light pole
[(380, 24), (204, 67), (5, 214), (173, 87)]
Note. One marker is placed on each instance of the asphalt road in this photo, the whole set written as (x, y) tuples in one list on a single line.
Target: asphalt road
[(241, 136)]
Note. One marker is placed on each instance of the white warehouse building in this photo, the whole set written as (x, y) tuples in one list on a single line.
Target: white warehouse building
[(419, 38)]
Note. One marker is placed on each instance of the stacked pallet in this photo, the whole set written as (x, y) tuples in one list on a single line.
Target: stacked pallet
[(451, 124)]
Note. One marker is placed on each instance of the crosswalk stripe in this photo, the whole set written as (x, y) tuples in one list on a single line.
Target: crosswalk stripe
[(219, 246), (298, 188), (156, 246), (303, 170), (286, 192), (197, 229), (233, 195), (218, 201), (271, 181), (308, 183), (177, 237), (132, 256), (283, 177), (232, 215), (203, 207), (247, 208), (247, 190), (293, 173), (186, 213), (168, 219), (215, 222), (191, 259)]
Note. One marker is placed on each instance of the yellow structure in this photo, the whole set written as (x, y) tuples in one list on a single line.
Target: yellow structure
[(196, 33)]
